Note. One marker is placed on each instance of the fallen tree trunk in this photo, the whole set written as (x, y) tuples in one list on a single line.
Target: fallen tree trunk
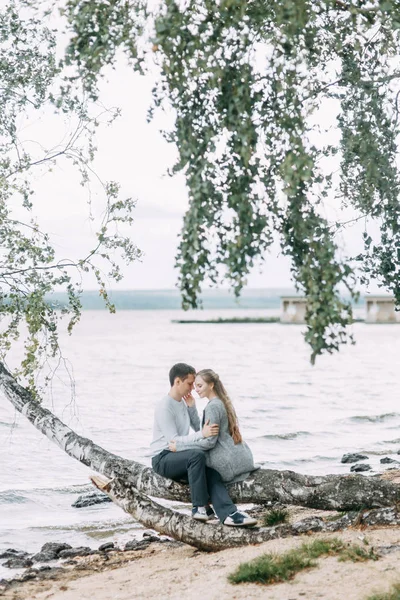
[(331, 492), (211, 538), (179, 526)]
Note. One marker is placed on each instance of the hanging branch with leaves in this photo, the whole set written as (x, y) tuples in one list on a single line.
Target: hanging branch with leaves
[(31, 83)]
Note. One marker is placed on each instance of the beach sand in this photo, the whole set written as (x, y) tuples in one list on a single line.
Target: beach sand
[(173, 571)]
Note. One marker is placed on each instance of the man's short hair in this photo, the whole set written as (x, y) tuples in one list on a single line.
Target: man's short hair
[(181, 370)]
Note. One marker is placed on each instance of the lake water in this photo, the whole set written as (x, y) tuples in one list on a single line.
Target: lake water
[(294, 416)]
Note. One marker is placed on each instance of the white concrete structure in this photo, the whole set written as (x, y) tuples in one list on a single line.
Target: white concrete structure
[(293, 309), (380, 309)]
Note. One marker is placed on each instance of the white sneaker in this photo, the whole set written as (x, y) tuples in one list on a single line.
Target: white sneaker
[(200, 513), (240, 519)]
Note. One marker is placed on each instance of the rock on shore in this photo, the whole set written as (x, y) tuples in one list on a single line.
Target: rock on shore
[(52, 551), (352, 457), (90, 499)]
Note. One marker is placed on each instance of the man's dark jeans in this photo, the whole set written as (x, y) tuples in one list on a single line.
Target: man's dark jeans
[(205, 483)]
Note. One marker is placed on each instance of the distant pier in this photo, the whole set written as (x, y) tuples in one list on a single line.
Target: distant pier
[(381, 309), (293, 309), (378, 309)]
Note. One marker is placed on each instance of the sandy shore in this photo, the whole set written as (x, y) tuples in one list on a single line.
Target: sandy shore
[(171, 571)]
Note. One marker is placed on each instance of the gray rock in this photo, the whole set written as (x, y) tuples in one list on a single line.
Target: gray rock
[(309, 524), (39, 572), (360, 468), (42, 573), (50, 551), (81, 551), (388, 461), (55, 547), (382, 516), (11, 553), (352, 457), (43, 568), (18, 563), (342, 522), (44, 556), (90, 499), (136, 545), (149, 537), (107, 546), (28, 575)]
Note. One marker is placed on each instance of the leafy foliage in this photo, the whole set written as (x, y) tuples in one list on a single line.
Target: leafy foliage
[(30, 81), (251, 84), (248, 82)]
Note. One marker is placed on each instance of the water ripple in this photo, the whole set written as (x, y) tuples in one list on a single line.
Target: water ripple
[(284, 436), (374, 418)]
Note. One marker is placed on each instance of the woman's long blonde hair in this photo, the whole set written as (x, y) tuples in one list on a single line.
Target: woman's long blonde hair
[(210, 376)]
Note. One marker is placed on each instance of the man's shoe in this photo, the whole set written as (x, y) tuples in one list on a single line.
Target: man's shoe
[(199, 513), (240, 519)]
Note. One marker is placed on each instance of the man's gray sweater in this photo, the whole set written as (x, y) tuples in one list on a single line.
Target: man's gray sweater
[(172, 421)]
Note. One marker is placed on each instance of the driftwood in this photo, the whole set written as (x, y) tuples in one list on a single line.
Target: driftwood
[(332, 492)]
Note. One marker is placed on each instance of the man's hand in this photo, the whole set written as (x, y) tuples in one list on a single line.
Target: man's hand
[(172, 446), (190, 401), (210, 430)]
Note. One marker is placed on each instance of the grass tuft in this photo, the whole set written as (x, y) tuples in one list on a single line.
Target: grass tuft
[(275, 516), (394, 594), (358, 554), (272, 568), (323, 546)]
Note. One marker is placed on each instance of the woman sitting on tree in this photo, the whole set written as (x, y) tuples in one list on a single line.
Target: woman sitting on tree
[(227, 453)]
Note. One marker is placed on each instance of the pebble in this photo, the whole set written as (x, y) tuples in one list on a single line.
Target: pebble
[(107, 546)]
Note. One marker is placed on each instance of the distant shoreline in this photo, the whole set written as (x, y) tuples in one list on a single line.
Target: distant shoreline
[(171, 299), (255, 320)]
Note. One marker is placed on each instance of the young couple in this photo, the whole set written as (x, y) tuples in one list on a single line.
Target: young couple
[(213, 454)]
